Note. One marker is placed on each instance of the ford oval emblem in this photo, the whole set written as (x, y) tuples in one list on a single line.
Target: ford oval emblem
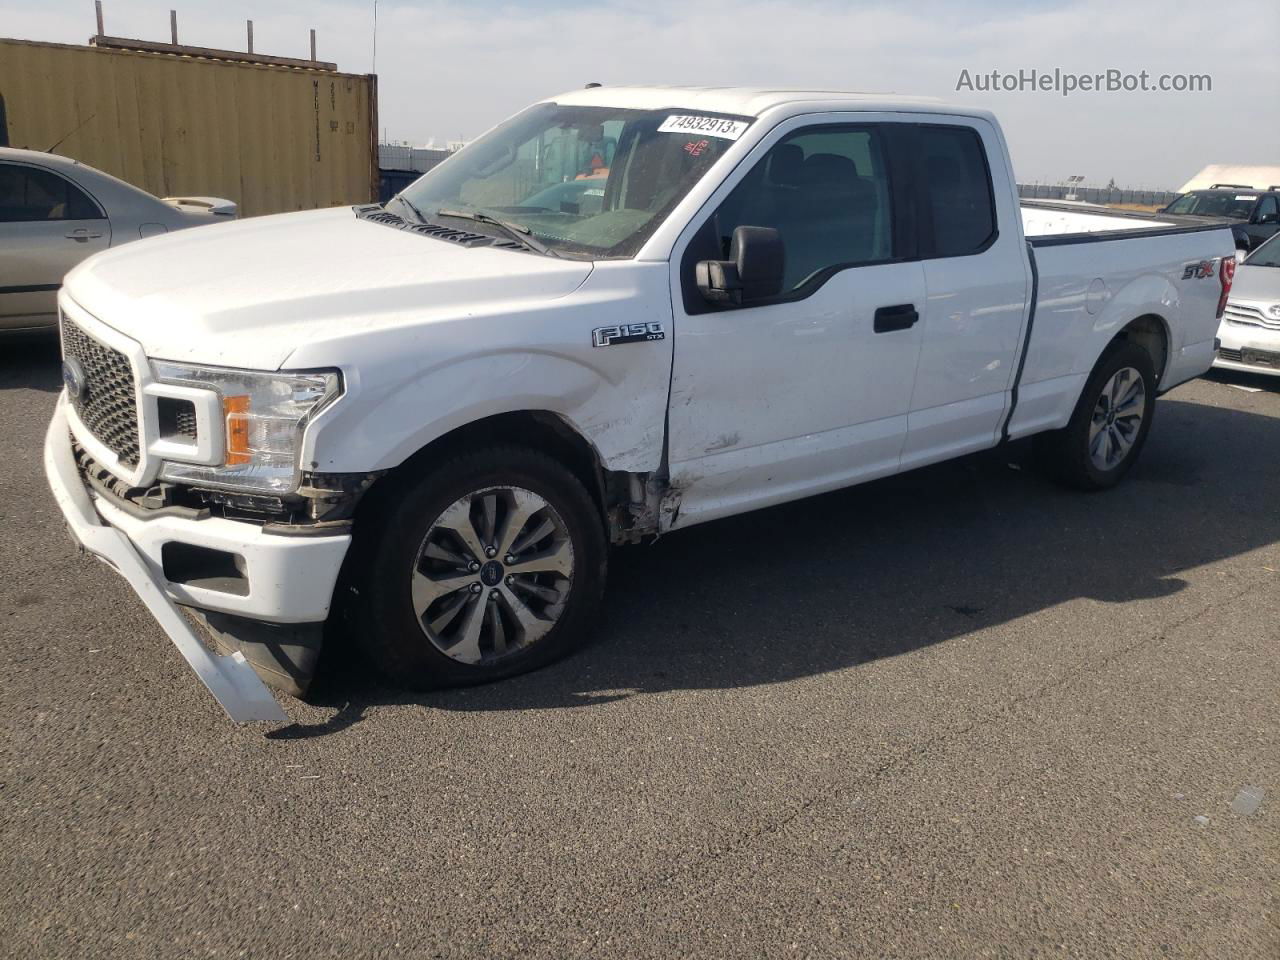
[(73, 379)]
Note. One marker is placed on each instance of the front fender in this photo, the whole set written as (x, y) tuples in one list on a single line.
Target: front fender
[(407, 388)]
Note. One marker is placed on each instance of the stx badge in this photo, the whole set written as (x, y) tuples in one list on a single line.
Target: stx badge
[(1198, 271), (626, 333)]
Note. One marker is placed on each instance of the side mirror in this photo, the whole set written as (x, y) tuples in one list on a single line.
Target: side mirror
[(753, 271)]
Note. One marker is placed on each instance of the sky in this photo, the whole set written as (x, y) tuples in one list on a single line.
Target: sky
[(448, 70)]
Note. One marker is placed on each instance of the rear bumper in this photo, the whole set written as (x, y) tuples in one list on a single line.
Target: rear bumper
[(283, 580)]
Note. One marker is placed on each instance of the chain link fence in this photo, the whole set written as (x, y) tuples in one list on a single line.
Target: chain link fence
[(1103, 195)]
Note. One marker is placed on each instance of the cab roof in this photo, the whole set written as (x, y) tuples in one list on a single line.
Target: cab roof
[(757, 101)]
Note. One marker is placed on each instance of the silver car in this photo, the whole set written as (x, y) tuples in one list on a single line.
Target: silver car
[(54, 212), (1249, 337)]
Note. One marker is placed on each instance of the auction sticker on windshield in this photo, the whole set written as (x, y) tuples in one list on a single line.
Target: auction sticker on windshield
[(707, 126)]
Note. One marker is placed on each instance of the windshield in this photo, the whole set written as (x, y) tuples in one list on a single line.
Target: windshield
[(1215, 203), (1267, 255), (587, 182)]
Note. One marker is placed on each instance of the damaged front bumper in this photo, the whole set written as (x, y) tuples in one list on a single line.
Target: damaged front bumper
[(272, 590)]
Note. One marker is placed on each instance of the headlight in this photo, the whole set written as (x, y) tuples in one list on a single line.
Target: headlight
[(263, 417)]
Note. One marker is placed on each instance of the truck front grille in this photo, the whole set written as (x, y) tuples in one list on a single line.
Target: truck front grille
[(107, 404)]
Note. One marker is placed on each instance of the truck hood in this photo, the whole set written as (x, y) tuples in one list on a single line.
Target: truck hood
[(247, 294)]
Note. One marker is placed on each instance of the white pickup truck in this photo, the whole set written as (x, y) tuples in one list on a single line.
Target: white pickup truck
[(620, 313)]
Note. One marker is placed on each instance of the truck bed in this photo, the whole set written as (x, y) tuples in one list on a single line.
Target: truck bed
[(1049, 223), (1084, 291)]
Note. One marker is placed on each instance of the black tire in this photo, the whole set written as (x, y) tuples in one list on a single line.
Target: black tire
[(1065, 454), (385, 624)]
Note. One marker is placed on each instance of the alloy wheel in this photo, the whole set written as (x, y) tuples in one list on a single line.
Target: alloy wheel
[(1117, 418), (492, 575)]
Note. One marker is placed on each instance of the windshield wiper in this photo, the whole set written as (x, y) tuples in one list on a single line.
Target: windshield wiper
[(517, 232), (410, 204)]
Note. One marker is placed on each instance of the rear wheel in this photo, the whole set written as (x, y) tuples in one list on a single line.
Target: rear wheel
[(491, 565), (1110, 423)]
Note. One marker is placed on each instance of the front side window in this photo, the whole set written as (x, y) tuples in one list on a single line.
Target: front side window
[(29, 194), (957, 188), (826, 191), (1268, 209), (587, 182)]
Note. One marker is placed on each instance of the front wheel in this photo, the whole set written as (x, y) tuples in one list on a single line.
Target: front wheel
[(491, 565), (1110, 423)]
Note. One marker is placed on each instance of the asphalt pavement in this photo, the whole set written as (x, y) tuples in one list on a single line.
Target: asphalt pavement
[(957, 713)]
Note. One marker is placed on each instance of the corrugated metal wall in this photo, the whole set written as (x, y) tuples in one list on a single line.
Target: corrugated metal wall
[(270, 138)]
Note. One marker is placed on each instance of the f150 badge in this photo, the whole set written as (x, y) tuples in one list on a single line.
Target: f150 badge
[(626, 333)]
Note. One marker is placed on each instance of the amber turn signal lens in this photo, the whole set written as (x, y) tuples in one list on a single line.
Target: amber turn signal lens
[(237, 413)]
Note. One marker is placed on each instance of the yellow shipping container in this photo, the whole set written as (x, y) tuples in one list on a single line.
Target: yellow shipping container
[(272, 138)]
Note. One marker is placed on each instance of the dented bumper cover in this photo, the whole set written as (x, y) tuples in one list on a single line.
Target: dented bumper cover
[(288, 580)]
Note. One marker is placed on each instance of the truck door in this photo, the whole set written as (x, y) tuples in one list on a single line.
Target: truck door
[(808, 390), (977, 276), (47, 226)]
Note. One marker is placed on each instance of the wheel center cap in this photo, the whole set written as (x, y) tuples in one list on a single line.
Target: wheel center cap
[(491, 573)]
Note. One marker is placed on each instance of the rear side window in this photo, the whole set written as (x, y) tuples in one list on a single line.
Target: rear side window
[(957, 189), (29, 194), (826, 191)]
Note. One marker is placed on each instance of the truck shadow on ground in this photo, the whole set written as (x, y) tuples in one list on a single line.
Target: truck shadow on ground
[(875, 571), (884, 569)]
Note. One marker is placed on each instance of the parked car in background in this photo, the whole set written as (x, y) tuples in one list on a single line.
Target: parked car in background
[(55, 212), (1255, 214), (1249, 337)]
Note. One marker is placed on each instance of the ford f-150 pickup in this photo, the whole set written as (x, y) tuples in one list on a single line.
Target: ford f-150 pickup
[(617, 314)]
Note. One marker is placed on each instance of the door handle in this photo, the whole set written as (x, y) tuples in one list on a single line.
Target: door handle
[(82, 235), (898, 317)]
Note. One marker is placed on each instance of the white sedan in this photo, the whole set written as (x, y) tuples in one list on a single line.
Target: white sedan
[(54, 212), (1249, 337)]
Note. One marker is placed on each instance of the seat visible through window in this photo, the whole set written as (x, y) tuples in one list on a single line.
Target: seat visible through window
[(826, 191)]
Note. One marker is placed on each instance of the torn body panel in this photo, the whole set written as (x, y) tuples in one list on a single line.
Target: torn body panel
[(230, 679)]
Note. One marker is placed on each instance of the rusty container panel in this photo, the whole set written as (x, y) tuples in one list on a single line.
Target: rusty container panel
[(271, 138)]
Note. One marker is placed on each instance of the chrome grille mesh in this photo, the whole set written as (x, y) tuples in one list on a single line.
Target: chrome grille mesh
[(107, 405), (1241, 313)]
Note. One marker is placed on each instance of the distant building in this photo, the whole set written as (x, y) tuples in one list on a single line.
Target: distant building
[(400, 164), (1247, 176), (394, 156)]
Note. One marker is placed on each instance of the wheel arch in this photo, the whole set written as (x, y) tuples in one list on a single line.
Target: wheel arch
[(539, 429), (1151, 332)]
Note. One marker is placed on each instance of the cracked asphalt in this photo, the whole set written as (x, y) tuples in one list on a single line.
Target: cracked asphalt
[(958, 713)]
